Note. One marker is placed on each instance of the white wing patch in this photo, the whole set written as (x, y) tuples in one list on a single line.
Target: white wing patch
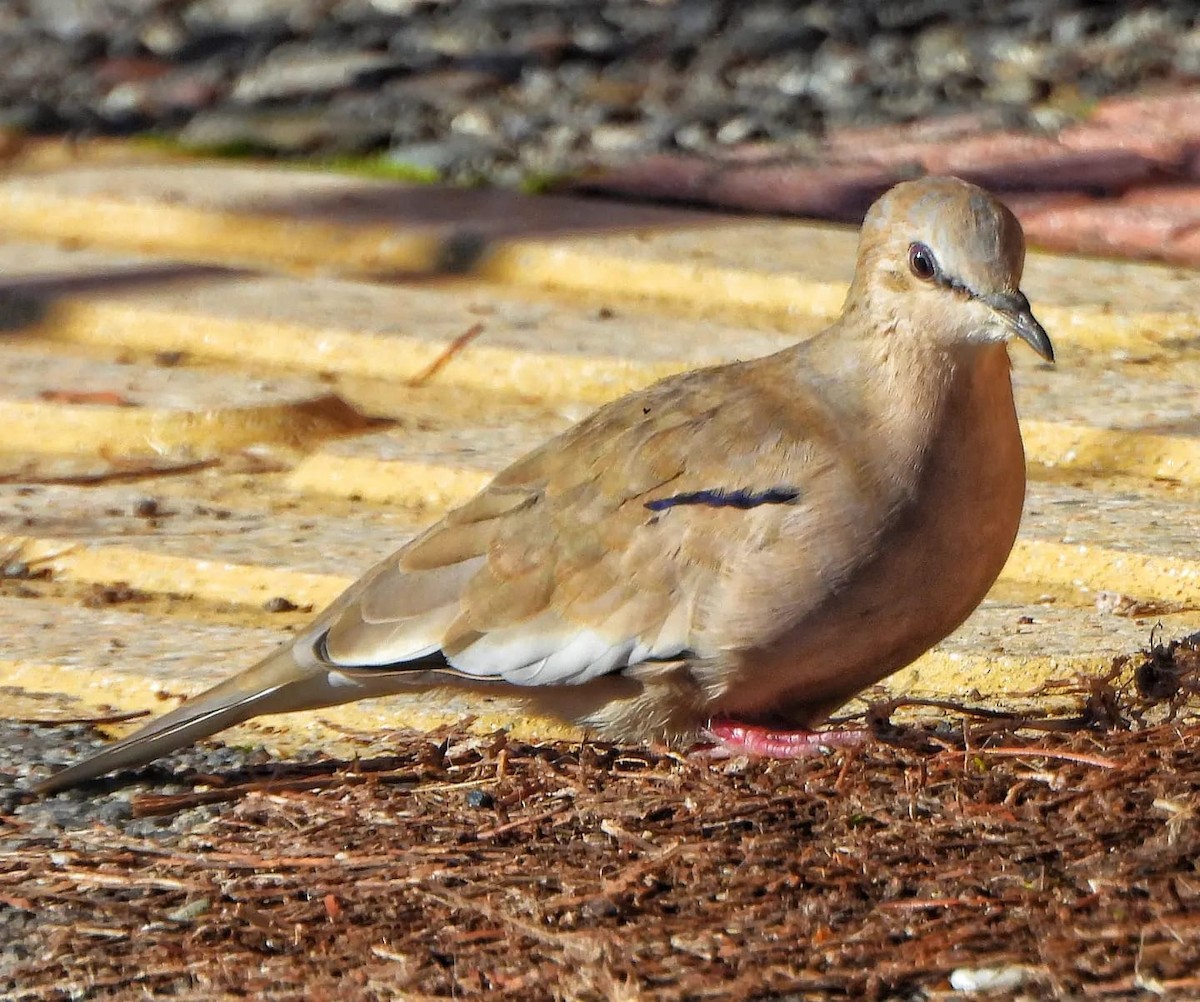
[(543, 652), (406, 617)]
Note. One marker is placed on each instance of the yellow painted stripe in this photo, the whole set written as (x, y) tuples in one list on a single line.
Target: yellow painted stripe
[(1095, 334), (347, 352), (583, 267), (1066, 569), (1058, 566), (58, 428), (242, 237), (112, 686), (940, 673), (1071, 567), (437, 486), (1049, 445), (936, 673), (777, 296), (1078, 450), (218, 236), (210, 580), (1108, 452)]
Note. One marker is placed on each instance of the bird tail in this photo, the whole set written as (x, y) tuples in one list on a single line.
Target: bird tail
[(274, 685)]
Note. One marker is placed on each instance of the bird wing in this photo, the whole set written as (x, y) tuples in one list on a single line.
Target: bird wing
[(593, 553)]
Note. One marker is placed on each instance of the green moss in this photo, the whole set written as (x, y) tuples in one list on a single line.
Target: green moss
[(540, 184), (377, 165), (380, 166), (240, 149)]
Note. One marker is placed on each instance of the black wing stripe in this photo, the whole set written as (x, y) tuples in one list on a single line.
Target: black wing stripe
[(720, 497)]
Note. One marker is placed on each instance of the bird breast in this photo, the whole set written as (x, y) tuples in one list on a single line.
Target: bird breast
[(861, 594)]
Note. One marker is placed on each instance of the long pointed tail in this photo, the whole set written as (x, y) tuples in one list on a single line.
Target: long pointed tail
[(275, 685)]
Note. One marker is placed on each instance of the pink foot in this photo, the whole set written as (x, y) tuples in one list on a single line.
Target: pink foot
[(751, 739)]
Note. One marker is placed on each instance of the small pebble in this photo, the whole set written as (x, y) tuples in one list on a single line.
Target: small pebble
[(192, 910), (480, 799), (556, 93), (989, 979), (280, 604)]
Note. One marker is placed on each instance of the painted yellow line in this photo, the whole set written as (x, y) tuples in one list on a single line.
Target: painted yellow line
[(1061, 567), (939, 673), (439, 486), (114, 687), (72, 429), (1108, 452), (123, 689), (596, 266), (579, 266), (350, 353), (1092, 452), (1073, 567), (1075, 572), (1079, 449), (777, 296), (210, 580), (218, 236), (1098, 334), (435, 486), (113, 684)]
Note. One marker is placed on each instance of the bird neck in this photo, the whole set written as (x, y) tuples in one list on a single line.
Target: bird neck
[(958, 388), (908, 383)]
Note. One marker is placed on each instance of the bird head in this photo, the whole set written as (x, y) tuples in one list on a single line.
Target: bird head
[(947, 256)]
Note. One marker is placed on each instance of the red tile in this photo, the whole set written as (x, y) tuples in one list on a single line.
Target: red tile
[(1184, 197), (1011, 161), (129, 69), (841, 192), (1028, 205), (1163, 145), (1113, 229), (830, 192), (665, 176), (894, 143), (1092, 158), (1179, 109), (1185, 248), (1138, 151)]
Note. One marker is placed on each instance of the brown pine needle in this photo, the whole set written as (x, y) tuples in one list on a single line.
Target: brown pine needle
[(444, 359), (1066, 756)]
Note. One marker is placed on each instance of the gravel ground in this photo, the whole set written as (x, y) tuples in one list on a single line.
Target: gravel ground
[(520, 90)]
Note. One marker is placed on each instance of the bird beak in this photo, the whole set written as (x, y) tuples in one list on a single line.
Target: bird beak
[(1013, 309)]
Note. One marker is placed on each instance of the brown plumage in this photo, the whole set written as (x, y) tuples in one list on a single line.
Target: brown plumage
[(756, 541)]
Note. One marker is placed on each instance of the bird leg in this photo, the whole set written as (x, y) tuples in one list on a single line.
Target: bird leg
[(734, 737)]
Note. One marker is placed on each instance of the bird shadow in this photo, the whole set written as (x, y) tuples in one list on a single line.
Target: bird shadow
[(456, 231), (28, 301)]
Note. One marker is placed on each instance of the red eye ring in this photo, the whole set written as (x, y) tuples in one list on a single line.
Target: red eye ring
[(921, 262)]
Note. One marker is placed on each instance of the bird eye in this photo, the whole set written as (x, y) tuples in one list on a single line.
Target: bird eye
[(922, 262)]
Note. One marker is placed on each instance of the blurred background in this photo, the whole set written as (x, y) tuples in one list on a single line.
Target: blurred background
[(525, 92)]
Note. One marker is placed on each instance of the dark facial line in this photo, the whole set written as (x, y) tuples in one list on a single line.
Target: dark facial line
[(946, 281)]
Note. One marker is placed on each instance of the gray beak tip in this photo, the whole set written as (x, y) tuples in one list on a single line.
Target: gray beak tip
[(1018, 317), (1034, 335)]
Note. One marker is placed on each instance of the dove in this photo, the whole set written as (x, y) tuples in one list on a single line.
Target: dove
[(728, 554)]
